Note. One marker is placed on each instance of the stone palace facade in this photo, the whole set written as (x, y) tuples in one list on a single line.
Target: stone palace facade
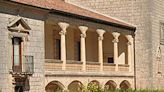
[(50, 45)]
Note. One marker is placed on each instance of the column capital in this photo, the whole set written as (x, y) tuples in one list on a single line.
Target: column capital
[(129, 43), (116, 35), (129, 38), (62, 32), (115, 40), (82, 35), (63, 26), (100, 38), (83, 30), (100, 33)]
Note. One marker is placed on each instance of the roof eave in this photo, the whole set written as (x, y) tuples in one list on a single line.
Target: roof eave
[(63, 13)]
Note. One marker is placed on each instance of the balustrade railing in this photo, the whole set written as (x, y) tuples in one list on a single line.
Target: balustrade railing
[(25, 65), (123, 67), (56, 65)]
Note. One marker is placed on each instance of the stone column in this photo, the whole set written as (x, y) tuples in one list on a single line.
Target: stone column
[(115, 41), (13, 83), (100, 47), (83, 30), (129, 50), (63, 27)]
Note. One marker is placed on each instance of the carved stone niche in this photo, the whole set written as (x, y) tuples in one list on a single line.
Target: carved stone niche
[(18, 27)]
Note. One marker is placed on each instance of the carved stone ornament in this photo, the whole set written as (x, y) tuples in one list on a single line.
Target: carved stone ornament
[(158, 55), (18, 24)]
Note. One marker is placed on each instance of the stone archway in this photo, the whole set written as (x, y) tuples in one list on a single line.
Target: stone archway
[(122, 50), (125, 85), (110, 85), (93, 85), (75, 86), (54, 86)]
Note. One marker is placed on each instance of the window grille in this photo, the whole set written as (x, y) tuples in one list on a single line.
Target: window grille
[(162, 33)]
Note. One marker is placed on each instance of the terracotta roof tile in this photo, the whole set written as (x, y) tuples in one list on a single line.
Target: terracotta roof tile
[(69, 8)]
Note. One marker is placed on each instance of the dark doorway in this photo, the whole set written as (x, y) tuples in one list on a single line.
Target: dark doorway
[(18, 89), (110, 60)]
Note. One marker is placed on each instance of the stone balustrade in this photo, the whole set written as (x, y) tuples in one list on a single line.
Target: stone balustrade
[(56, 65)]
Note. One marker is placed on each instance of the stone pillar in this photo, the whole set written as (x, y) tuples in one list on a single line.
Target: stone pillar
[(13, 83), (63, 27), (129, 50), (100, 47), (115, 41), (83, 30)]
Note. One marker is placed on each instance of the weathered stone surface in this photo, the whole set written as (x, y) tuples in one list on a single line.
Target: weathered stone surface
[(35, 46), (145, 14)]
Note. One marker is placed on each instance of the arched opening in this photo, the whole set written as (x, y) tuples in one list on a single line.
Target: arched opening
[(110, 85), (91, 46), (54, 86), (108, 47), (75, 86), (93, 85), (125, 85), (122, 50)]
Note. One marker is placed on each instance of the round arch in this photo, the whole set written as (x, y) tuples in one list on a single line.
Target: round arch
[(94, 82), (125, 85), (122, 50), (54, 86), (93, 85), (110, 85), (75, 86)]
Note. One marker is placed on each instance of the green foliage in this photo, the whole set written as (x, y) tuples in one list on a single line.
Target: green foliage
[(93, 87), (99, 89), (96, 88)]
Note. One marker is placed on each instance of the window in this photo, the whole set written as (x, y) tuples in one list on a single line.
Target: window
[(110, 60), (77, 51), (16, 51), (57, 49), (17, 57), (162, 33)]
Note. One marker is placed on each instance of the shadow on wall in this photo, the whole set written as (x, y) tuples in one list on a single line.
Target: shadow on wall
[(22, 84)]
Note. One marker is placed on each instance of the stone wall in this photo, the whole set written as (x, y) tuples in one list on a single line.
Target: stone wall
[(157, 17), (138, 13), (34, 46), (5, 78)]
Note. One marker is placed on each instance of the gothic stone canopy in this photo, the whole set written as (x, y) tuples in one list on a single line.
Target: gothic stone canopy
[(18, 24)]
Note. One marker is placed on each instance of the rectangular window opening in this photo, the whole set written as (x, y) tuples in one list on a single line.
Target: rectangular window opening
[(162, 33), (17, 61), (57, 49), (77, 51), (110, 60)]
